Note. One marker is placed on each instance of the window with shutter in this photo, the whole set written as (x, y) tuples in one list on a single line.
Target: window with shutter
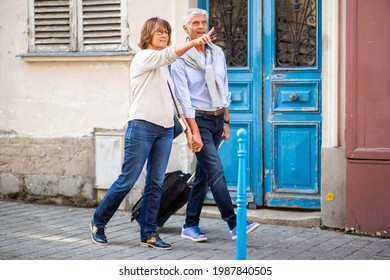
[(78, 25)]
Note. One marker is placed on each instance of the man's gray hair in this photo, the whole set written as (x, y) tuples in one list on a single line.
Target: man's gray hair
[(194, 11)]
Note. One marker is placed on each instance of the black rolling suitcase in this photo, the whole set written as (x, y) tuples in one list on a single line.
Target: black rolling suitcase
[(175, 192)]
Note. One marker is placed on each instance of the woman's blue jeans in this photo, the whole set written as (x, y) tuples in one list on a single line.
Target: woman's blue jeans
[(144, 141), (209, 173)]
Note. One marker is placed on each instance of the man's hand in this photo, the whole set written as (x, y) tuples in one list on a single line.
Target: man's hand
[(197, 142), (226, 131)]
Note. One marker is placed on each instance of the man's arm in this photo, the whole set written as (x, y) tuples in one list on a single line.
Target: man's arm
[(194, 140), (226, 124)]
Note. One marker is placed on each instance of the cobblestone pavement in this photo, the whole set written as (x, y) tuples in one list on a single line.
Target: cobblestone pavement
[(51, 232)]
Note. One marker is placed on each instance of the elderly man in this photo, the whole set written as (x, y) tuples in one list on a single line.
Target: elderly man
[(200, 78)]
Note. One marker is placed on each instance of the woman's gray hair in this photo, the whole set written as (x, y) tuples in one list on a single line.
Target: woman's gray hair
[(194, 11)]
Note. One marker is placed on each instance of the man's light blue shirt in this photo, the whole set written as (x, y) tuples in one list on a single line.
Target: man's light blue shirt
[(190, 84)]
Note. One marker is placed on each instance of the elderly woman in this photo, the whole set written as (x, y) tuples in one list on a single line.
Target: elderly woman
[(149, 133)]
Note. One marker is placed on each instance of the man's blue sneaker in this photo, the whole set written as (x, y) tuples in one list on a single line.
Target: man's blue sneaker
[(249, 228), (97, 234), (193, 233)]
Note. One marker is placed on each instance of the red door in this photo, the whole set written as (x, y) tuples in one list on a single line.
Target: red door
[(368, 117)]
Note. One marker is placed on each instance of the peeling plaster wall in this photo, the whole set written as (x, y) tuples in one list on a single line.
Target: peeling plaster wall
[(50, 102)]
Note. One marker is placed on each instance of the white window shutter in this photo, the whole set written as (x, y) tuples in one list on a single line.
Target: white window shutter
[(53, 27), (78, 25), (102, 24)]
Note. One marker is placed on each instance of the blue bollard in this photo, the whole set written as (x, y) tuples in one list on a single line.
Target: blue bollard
[(241, 196)]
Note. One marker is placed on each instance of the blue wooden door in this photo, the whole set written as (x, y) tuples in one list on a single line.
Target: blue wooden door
[(273, 52), (292, 103), (239, 27)]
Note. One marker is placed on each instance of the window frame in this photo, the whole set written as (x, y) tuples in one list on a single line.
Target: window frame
[(77, 42)]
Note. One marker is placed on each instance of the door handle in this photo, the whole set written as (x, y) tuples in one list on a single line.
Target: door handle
[(293, 97)]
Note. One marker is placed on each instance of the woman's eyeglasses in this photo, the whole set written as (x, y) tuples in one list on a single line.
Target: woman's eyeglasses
[(161, 32)]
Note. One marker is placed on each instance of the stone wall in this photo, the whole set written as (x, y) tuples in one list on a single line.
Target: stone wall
[(60, 170)]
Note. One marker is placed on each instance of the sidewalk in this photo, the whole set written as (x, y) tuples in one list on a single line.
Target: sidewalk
[(50, 232)]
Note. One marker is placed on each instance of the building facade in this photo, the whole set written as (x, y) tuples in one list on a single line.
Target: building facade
[(291, 66)]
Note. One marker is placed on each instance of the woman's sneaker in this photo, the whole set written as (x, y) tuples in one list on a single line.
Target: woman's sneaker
[(97, 234), (193, 233), (249, 228), (156, 243)]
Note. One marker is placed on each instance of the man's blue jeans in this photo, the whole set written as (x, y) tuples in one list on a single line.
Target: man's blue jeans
[(144, 141), (209, 173)]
